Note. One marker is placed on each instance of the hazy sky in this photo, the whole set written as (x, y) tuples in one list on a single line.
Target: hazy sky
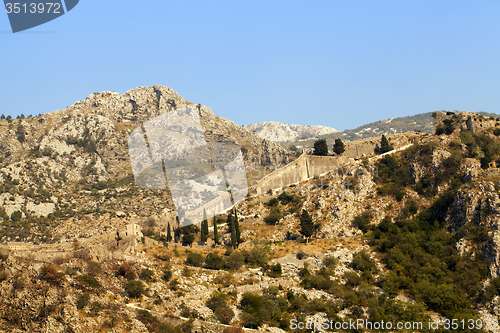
[(334, 63)]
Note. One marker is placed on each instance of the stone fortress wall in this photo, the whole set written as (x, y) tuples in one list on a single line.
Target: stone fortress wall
[(307, 166)]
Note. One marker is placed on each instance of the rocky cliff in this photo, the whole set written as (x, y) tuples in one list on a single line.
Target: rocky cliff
[(281, 132)]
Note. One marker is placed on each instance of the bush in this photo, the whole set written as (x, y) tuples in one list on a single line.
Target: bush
[(257, 257), (330, 262), (218, 305), (273, 217), (146, 274), (285, 197), (363, 262), (16, 216), (195, 259), (256, 310), (275, 270), (235, 260), (3, 275), (135, 288), (51, 274), (362, 221), (82, 301), (214, 261), (89, 281), (126, 271)]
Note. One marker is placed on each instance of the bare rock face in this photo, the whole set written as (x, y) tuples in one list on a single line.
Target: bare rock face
[(280, 132), (478, 207)]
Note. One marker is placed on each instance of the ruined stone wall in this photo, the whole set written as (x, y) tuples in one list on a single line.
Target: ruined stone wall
[(464, 120)]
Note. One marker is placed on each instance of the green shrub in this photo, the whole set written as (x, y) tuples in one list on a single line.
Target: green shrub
[(362, 261), (195, 259), (362, 221), (235, 260), (89, 281), (82, 301), (218, 305), (51, 274), (275, 270), (273, 217), (16, 216), (146, 274), (214, 261), (135, 288), (256, 310), (330, 262), (257, 257)]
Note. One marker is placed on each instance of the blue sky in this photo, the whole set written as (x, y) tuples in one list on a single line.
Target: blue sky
[(333, 63)]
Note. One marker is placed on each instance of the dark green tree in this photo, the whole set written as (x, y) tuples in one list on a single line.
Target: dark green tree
[(203, 234), (169, 233), (306, 224), (237, 228), (338, 147), (320, 147), (385, 146), (2, 117), (188, 239), (234, 242), (216, 233)]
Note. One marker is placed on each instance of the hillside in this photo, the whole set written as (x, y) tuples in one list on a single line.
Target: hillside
[(408, 236), (281, 132), (75, 162), (420, 122)]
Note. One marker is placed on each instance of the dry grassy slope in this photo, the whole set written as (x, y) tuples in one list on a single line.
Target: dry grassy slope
[(76, 159)]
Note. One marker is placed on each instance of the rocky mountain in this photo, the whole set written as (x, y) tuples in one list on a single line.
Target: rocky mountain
[(76, 160), (410, 236), (281, 132)]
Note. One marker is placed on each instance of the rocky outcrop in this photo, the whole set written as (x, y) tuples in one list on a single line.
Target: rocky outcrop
[(280, 132), (478, 208)]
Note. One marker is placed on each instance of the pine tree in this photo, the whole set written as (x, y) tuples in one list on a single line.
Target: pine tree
[(338, 147), (216, 233), (320, 147), (169, 233), (385, 146), (237, 228), (306, 224)]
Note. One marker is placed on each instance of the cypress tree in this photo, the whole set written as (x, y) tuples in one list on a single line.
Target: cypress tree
[(229, 222), (203, 234), (237, 227), (169, 233), (306, 224), (233, 235), (216, 233)]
